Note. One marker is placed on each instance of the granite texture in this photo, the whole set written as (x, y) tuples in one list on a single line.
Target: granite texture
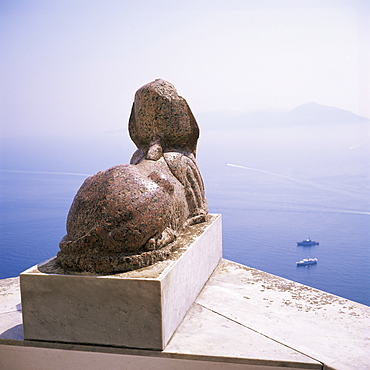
[(160, 115), (128, 216), (137, 309)]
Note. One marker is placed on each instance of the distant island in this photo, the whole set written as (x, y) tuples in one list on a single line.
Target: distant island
[(306, 114)]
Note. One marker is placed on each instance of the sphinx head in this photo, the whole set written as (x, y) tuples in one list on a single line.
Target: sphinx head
[(162, 118)]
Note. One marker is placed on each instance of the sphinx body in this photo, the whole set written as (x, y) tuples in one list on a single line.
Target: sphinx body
[(126, 217)]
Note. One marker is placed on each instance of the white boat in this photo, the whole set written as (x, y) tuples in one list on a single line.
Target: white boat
[(307, 243), (307, 262)]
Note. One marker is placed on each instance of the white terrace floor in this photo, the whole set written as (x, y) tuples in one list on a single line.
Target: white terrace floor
[(242, 319)]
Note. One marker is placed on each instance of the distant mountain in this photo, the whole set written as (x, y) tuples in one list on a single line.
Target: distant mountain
[(306, 114), (317, 113)]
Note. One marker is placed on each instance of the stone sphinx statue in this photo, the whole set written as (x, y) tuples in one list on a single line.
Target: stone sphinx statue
[(126, 217)]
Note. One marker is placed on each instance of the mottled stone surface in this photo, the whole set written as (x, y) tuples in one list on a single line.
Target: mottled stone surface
[(160, 115), (126, 217), (139, 309)]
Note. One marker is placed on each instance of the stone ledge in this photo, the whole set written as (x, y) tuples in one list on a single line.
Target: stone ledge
[(243, 319), (139, 309), (331, 329)]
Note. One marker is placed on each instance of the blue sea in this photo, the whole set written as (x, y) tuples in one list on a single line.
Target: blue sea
[(274, 186)]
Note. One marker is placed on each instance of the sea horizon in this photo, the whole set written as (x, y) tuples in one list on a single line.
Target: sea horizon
[(273, 185)]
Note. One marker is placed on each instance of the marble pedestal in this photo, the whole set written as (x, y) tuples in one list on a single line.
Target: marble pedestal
[(137, 309)]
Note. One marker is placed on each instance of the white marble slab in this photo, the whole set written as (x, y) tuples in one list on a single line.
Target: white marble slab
[(243, 318), (207, 333), (138, 309), (331, 329), (10, 310)]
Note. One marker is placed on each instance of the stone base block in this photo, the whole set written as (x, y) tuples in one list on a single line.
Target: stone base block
[(137, 309)]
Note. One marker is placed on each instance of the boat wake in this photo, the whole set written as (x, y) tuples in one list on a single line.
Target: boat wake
[(363, 143), (306, 183), (265, 171), (48, 173)]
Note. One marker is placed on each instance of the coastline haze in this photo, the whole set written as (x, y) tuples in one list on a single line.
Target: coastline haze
[(72, 68)]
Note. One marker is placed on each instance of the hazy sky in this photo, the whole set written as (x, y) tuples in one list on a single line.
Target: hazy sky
[(69, 66)]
